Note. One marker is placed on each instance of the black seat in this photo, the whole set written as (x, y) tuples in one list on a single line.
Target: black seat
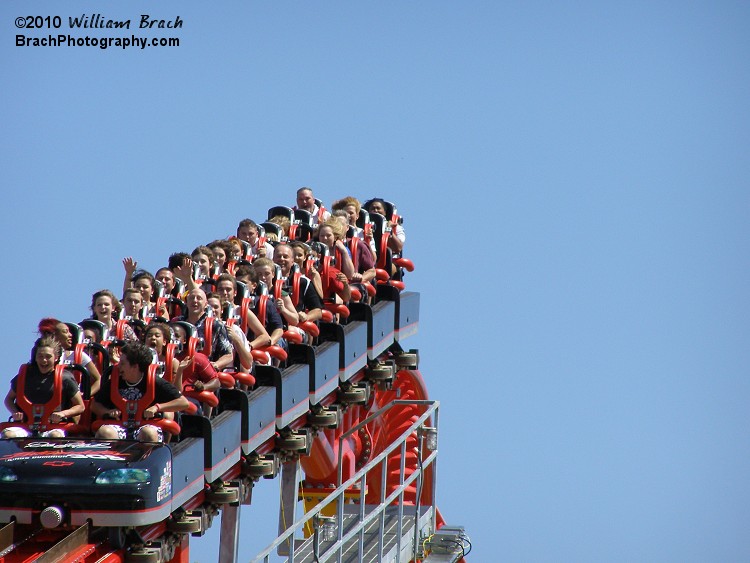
[(282, 211), (303, 216)]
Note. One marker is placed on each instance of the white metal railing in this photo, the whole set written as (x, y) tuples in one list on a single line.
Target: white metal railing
[(360, 477)]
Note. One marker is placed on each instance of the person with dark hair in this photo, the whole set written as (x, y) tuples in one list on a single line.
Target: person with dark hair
[(266, 270), (301, 253), (243, 359), (309, 307), (145, 282), (134, 364), (203, 258), (133, 310), (39, 388), (157, 336), (177, 259), (244, 273), (306, 202), (226, 289), (132, 304), (248, 230), (222, 352), (223, 253), (106, 309), (272, 321), (165, 277), (398, 235), (196, 372), (60, 331), (181, 266), (172, 289)]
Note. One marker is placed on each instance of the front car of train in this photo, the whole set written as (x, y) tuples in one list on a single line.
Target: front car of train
[(64, 481)]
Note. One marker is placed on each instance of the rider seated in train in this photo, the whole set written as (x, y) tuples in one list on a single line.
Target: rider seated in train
[(309, 306), (362, 255), (332, 234), (306, 201), (222, 251), (39, 388), (263, 307), (62, 333), (266, 270), (181, 266), (106, 308), (238, 250), (133, 385), (283, 223), (243, 359), (197, 373), (226, 289), (388, 210), (248, 231), (303, 257), (221, 350), (158, 336), (133, 311), (145, 282), (203, 264), (172, 289), (132, 304), (335, 284), (93, 331), (166, 278), (353, 209)]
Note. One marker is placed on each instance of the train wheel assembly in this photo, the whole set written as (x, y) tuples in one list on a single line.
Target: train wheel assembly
[(324, 418), (223, 494), (353, 394)]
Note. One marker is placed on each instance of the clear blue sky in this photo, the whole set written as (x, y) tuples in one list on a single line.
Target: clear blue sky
[(574, 179)]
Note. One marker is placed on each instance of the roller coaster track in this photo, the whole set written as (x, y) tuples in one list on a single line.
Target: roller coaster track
[(357, 431)]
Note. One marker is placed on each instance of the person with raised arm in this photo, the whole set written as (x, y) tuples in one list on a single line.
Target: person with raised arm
[(145, 282)]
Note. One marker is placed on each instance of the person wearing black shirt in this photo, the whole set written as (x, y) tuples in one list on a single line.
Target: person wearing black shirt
[(39, 388), (134, 364)]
